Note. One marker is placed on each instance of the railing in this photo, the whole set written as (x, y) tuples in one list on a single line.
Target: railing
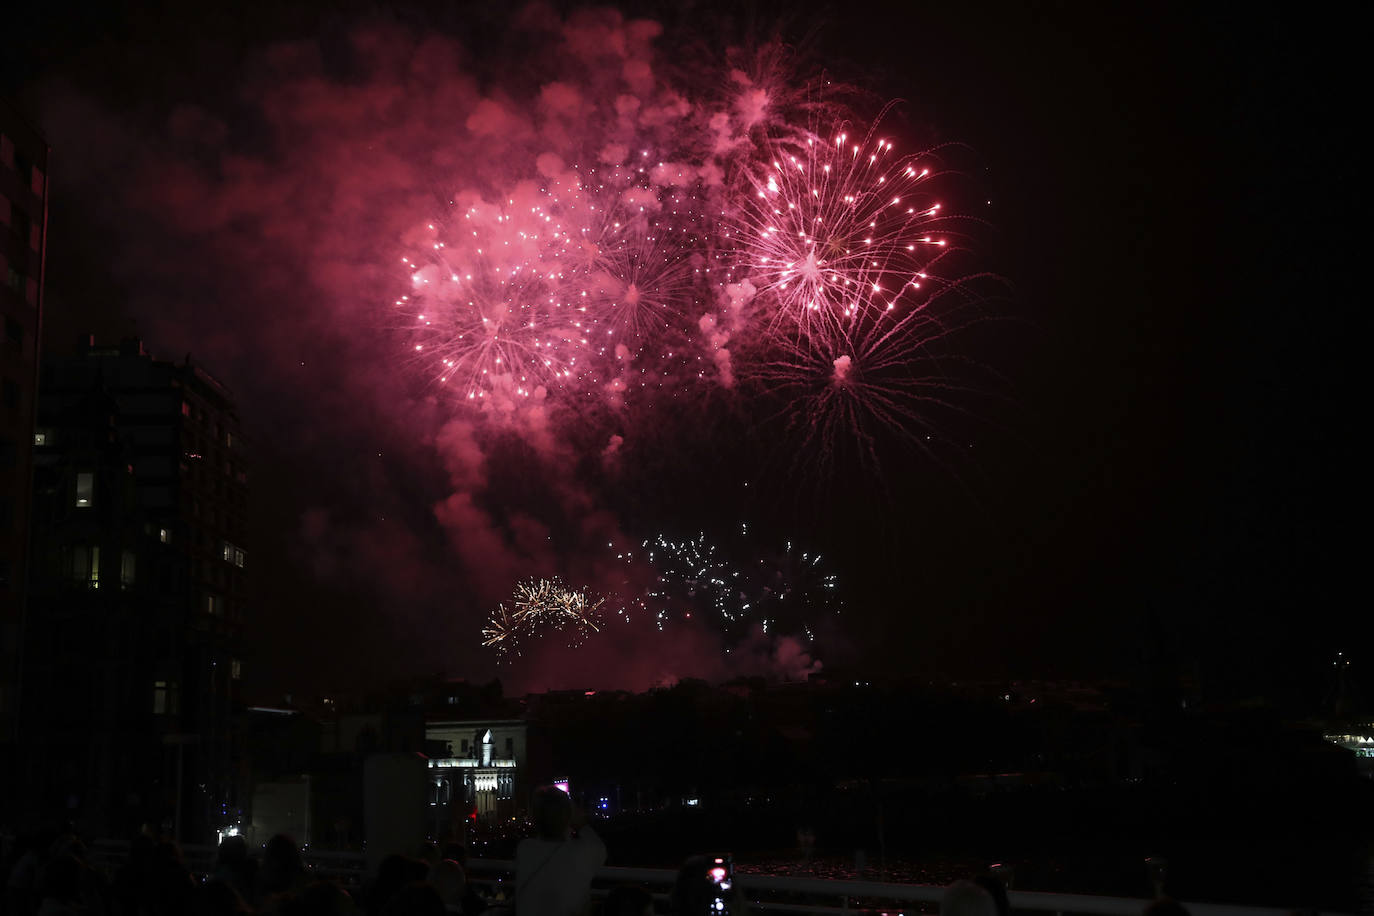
[(766, 894)]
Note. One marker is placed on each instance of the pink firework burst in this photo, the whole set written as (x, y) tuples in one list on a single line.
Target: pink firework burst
[(487, 317), (835, 233)]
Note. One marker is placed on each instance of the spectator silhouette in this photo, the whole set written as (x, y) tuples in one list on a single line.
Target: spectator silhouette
[(1166, 906), (324, 898), (965, 898), (219, 898), (694, 891), (169, 889), (452, 884), (554, 869), (234, 867), (394, 873), (998, 890), (22, 883), (133, 879), (418, 899), (61, 887), (473, 902), (282, 870), (628, 900)]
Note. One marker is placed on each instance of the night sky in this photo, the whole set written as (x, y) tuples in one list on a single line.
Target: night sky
[(1158, 466)]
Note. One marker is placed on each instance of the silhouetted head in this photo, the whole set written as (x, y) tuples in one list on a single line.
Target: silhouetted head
[(281, 854), (998, 890), (551, 810), (215, 898), (964, 898), (62, 878), (325, 898), (1166, 906), (628, 901), (449, 880), (415, 900), (232, 850), (693, 890)]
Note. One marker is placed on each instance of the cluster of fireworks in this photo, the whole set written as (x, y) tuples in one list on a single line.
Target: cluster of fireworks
[(539, 606), (795, 270), (754, 242), (736, 584)]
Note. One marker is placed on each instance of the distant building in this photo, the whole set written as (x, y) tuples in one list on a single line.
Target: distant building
[(138, 594), (23, 245), (485, 764)]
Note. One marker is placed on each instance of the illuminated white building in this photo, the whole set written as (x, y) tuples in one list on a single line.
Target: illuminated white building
[(486, 766)]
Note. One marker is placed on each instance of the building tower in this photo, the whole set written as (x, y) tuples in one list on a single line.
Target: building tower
[(138, 593), (23, 244)]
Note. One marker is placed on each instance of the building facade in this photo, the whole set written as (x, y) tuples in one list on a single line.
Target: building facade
[(484, 767), (23, 246), (138, 594)]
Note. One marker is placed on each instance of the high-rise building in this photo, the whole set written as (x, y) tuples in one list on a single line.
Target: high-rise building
[(23, 240), (138, 593)]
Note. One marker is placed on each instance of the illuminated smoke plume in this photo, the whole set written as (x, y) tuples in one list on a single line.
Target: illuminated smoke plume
[(483, 277)]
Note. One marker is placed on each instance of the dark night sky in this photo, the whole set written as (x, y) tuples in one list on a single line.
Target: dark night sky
[(1172, 471)]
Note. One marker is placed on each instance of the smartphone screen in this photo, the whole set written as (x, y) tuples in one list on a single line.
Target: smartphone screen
[(721, 874)]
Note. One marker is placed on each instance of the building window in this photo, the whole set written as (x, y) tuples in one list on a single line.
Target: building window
[(236, 669), (85, 487), (165, 698), (233, 554), (164, 535), (127, 561), (85, 568), (214, 605), (40, 437)]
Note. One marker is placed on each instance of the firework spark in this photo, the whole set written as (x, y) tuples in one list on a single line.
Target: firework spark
[(736, 584), (538, 607), (839, 231)]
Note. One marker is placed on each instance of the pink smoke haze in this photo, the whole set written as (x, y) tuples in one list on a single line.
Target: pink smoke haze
[(476, 287)]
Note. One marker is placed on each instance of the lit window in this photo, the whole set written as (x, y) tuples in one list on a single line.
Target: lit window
[(164, 535), (85, 569), (228, 552), (126, 569), (85, 487), (159, 698), (238, 558), (40, 438), (214, 605)]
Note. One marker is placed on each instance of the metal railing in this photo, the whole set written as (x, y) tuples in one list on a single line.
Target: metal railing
[(766, 894)]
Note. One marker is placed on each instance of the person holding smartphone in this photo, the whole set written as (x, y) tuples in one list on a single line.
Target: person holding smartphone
[(554, 869), (706, 886)]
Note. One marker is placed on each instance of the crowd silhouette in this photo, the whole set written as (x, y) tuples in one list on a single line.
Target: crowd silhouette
[(52, 875)]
